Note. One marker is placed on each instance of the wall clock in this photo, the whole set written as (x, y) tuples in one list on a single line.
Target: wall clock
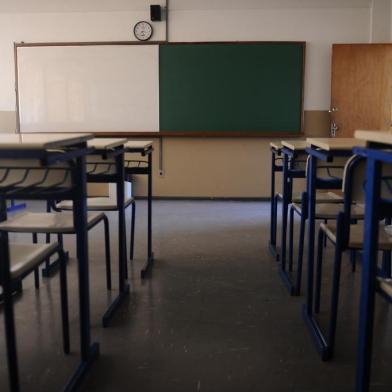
[(142, 30)]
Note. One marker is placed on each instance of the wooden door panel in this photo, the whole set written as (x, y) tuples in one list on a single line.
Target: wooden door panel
[(361, 87)]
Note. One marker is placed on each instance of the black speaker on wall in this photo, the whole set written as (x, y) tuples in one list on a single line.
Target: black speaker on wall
[(155, 13)]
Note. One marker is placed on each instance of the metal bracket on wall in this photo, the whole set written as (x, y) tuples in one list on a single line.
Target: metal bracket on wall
[(161, 170), (166, 11)]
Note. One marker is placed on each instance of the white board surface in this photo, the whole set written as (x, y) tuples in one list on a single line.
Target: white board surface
[(97, 88)]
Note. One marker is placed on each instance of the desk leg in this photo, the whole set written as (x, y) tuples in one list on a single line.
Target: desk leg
[(386, 259), (89, 352), (150, 255), (9, 320), (122, 257), (52, 267), (311, 228), (272, 242), (285, 203), (369, 271), (314, 329)]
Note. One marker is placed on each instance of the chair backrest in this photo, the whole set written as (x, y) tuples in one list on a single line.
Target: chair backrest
[(354, 180), (354, 188), (299, 161), (386, 181), (329, 170)]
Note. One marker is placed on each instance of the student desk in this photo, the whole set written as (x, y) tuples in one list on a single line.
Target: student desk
[(50, 149), (324, 149), (112, 152), (144, 148), (275, 168), (377, 152), (291, 150)]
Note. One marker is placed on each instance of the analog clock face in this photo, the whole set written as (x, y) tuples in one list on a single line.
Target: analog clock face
[(142, 31)]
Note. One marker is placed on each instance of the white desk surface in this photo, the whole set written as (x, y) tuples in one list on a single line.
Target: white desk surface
[(332, 143), (275, 145), (106, 143), (29, 141), (142, 144), (294, 144), (374, 136)]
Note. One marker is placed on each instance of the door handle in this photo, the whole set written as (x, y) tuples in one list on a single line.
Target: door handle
[(333, 128), (333, 109)]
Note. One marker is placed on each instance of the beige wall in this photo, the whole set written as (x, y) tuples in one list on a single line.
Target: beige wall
[(219, 167), (211, 167), (7, 121)]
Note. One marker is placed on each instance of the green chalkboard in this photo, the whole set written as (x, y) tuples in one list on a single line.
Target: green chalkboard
[(231, 87)]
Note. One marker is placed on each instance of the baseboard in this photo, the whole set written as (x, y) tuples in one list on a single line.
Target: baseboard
[(198, 198)]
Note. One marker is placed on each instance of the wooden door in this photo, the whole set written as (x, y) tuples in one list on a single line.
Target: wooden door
[(361, 92)]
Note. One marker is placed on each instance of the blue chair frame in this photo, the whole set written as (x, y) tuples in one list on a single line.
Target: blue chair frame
[(343, 223), (376, 208), (312, 184)]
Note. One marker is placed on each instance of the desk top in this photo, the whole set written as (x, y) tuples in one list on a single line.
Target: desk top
[(139, 144), (275, 145), (331, 143), (294, 144), (374, 136), (106, 143), (41, 141)]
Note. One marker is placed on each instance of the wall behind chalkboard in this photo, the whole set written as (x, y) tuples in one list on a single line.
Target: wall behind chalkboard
[(231, 87)]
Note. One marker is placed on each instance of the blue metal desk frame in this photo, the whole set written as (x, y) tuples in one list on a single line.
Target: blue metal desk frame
[(89, 351), (275, 168), (375, 208), (312, 184), (129, 171), (289, 173)]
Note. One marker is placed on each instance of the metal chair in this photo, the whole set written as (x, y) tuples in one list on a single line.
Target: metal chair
[(344, 235), (106, 202), (24, 259), (324, 212), (328, 205), (297, 166), (60, 224)]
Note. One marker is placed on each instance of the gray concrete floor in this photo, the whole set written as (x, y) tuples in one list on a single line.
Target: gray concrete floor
[(214, 316)]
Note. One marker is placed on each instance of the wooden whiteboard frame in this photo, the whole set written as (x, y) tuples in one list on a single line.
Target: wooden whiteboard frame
[(208, 134)]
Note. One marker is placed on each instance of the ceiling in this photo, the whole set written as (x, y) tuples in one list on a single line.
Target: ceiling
[(27, 6)]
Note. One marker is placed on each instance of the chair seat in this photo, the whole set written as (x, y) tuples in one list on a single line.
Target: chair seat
[(96, 204), (385, 285), (321, 197), (331, 210), (25, 257), (47, 222), (356, 235)]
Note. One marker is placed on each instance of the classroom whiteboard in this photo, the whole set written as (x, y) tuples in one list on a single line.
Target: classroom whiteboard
[(98, 88)]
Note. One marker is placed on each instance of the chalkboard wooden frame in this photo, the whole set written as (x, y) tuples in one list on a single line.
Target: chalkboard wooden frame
[(207, 134)]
